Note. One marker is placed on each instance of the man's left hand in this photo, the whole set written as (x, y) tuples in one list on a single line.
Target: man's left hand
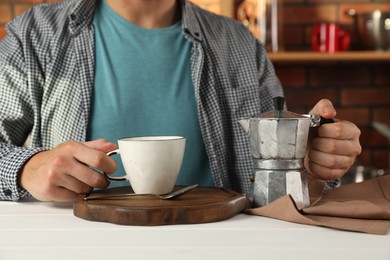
[(333, 151)]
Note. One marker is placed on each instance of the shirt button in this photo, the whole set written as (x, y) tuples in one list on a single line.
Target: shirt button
[(8, 193)]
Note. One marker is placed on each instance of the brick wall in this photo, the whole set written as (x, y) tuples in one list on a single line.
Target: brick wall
[(360, 91)]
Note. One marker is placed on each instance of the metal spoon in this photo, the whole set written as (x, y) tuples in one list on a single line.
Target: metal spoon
[(167, 196)]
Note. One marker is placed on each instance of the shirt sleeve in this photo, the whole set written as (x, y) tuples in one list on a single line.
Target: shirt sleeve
[(16, 116), (12, 159)]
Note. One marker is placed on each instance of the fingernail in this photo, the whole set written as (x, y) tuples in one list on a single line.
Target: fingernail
[(329, 111)]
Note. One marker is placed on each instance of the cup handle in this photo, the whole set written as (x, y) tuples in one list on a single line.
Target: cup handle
[(114, 179)]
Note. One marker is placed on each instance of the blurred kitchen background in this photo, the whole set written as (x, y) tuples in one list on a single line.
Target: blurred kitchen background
[(357, 81)]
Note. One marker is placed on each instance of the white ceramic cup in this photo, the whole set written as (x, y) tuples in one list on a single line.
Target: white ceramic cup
[(151, 163)]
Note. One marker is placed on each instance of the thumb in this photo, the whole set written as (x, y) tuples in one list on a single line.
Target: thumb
[(101, 144), (324, 108)]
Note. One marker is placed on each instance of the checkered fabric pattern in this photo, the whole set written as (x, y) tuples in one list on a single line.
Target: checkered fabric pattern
[(46, 81)]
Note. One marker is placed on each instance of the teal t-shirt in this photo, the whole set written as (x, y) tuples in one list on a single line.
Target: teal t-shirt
[(143, 87)]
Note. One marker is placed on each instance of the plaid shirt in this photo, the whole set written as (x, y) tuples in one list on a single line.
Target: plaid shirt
[(47, 73)]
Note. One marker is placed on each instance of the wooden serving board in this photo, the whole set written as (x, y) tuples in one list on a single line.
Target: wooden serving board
[(200, 205)]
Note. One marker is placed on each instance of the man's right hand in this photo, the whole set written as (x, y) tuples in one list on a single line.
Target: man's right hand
[(60, 174)]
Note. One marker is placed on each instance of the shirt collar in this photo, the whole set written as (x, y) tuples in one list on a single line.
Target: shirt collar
[(191, 25), (81, 15)]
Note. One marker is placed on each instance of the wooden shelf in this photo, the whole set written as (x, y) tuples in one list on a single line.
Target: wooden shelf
[(319, 57)]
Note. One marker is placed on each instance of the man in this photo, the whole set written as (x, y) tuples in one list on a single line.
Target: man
[(85, 70)]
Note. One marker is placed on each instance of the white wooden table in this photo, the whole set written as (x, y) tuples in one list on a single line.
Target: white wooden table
[(37, 230)]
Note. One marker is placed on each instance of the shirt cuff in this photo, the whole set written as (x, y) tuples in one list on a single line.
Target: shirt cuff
[(331, 184), (10, 166)]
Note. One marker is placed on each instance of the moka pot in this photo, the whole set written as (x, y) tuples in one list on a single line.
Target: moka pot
[(278, 141)]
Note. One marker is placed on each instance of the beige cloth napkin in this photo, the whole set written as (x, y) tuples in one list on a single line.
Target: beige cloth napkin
[(361, 207)]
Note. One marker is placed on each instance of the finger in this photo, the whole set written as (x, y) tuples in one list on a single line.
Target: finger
[(330, 161), (101, 145), (67, 172), (82, 178), (56, 193), (333, 146), (324, 108), (339, 130), (74, 185), (325, 173), (61, 194), (90, 156)]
